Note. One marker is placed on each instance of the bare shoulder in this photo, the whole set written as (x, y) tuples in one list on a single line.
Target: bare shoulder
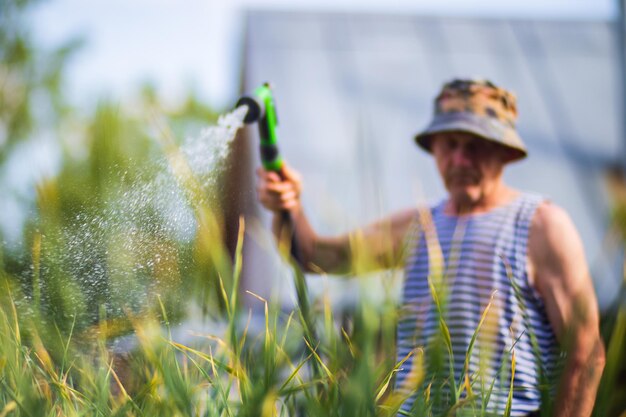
[(549, 214), (555, 248), (551, 228)]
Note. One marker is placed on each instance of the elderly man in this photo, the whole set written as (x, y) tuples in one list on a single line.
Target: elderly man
[(500, 273)]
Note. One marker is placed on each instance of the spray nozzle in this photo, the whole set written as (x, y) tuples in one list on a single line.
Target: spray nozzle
[(255, 109), (262, 109)]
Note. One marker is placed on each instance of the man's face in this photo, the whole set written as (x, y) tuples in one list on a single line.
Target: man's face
[(471, 167)]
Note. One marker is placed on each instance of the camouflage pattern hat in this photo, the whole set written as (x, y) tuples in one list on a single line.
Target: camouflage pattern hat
[(477, 107)]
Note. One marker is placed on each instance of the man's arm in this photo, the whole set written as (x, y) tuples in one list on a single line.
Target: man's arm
[(379, 245), (560, 273)]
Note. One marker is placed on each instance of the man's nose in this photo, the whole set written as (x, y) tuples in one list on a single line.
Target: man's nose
[(461, 157)]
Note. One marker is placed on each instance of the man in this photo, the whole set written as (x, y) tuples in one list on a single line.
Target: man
[(500, 273)]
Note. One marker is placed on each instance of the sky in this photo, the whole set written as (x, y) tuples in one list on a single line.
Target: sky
[(197, 44)]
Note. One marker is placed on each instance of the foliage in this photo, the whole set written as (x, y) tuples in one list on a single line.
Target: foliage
[(98, 236), (31, 80), (300, 362)]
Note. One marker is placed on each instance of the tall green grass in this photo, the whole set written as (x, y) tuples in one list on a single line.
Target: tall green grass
[(282, 369), (58, 360), (304, 362)]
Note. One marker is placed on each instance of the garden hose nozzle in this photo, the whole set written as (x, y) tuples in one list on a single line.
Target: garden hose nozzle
[(262, 109)]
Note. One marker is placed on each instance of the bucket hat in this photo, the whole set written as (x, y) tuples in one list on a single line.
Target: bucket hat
[(478, 107)]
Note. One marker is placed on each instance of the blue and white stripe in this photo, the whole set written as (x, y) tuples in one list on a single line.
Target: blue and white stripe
[(482, 261)]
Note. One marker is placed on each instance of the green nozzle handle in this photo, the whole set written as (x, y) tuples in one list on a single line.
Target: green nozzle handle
[(262, 109), (270, 156)]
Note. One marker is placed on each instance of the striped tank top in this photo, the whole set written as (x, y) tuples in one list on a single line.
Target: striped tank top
[(474, 330)]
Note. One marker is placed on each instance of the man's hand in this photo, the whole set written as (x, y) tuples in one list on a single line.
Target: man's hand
[(279, 191)]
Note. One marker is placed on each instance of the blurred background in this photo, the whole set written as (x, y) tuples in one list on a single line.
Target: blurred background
[(354, 82), (96, 96)]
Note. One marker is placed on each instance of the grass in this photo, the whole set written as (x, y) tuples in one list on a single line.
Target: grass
[(57, 356), (299, 362)]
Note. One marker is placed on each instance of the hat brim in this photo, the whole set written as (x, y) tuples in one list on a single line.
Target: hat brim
[(487, 128)]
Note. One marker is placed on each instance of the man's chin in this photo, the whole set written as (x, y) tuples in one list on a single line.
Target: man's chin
[(465, 196)]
